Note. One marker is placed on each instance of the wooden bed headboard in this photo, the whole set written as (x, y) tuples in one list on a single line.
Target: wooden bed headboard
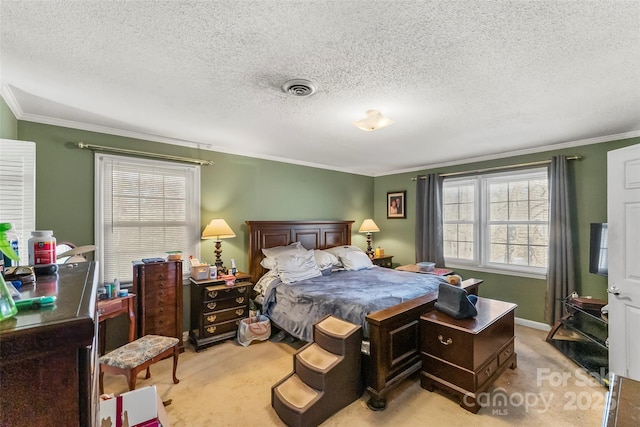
[(312, 235)]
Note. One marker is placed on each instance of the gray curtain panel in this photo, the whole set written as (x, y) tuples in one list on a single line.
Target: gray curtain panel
[(561, 274), (429, 219)]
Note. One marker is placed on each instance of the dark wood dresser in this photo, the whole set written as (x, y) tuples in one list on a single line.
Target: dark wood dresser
[(216, 309), (466, 356), (48, 357), (158, 286)]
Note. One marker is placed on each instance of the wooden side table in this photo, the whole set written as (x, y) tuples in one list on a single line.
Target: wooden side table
[(216, 309), (413, 268), (114, 307), (465, 356), (383, 261)]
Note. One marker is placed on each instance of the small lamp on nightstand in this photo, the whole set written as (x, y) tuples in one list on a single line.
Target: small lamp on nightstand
[(218, 229), (368, 226)]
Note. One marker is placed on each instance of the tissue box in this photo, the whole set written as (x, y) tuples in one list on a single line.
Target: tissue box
[(200, 272), (141, 407), (426, 267)]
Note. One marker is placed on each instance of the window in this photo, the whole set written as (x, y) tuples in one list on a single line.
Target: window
[(498, 221), (18, 190), (144, 208)]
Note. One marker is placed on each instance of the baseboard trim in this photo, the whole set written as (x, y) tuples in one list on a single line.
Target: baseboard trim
[(532, 324)]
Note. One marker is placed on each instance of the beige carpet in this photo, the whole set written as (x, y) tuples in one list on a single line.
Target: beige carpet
[(230, 385)]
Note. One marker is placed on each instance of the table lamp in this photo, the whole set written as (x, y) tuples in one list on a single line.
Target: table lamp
[(368, 226), (218, 229)]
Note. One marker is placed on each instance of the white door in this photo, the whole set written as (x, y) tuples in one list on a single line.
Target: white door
[(623, 211)]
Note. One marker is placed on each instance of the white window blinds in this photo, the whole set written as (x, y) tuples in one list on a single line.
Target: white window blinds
[(18, 190), (144, 208)]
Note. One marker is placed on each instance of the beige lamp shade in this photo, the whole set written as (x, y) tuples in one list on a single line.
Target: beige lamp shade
[(368, 226), (218, 229)]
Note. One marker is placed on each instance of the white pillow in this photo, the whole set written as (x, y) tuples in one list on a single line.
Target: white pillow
[(279, 250), (268, 262), (326, 259), (341, 250), (355, 260), (297, 266)]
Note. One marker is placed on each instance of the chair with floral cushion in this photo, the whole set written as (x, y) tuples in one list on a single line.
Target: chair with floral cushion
[(138, 355)]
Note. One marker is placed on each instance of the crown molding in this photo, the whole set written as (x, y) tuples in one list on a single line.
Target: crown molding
[(13, 104), (551, 147)]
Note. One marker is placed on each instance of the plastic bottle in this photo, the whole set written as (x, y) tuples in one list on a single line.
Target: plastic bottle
[(8, 307), (116, 287), (12, 237), (42, 248), (234, 270)]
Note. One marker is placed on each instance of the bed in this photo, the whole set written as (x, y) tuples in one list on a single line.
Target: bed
[(390, 324)]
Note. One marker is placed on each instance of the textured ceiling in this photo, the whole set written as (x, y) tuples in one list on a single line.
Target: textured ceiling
[(461, 79)]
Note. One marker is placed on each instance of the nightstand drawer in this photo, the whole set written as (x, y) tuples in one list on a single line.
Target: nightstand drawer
[(225, 315), (221, 328), (224, 304), (216, 293)]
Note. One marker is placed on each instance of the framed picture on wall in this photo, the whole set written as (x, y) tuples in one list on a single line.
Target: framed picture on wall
[(396, 204)]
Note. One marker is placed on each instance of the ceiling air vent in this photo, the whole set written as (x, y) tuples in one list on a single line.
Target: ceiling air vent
[(299, 87)]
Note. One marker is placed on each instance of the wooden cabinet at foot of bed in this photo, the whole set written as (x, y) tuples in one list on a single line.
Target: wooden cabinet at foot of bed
[(216, 309), (466, 356)]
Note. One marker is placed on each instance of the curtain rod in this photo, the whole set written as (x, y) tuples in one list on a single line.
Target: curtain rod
[(143, 154), (497, 168)]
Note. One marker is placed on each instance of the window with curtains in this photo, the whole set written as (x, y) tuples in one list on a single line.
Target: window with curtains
[(144, 208), (18, 190), (497, 221)]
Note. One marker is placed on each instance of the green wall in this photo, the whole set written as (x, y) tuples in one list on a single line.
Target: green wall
[(589, 177), (240, 188), (235, 188), (8, 122)]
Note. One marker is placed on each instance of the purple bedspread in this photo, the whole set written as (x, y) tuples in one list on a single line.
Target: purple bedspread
[(348, 295)]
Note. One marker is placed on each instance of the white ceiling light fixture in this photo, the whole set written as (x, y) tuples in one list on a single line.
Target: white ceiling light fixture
[(374, 120)]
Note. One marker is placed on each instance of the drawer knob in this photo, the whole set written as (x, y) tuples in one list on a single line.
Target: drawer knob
[(212, 305), (211, 329), (488, 371), (443, 342), (211, 319), (241, 290), (213, 294), (240, 300), (507, 352), (240, 311), (161, 276)]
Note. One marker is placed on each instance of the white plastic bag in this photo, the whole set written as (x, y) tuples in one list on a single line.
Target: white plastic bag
[(254, 328)]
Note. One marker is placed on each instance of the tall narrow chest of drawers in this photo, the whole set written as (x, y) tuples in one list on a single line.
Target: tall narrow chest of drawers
[(217, 309), (158, 286)]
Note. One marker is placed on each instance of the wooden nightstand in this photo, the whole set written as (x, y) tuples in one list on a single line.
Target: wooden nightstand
[(466, 356), (383, 261), (216, 309)]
